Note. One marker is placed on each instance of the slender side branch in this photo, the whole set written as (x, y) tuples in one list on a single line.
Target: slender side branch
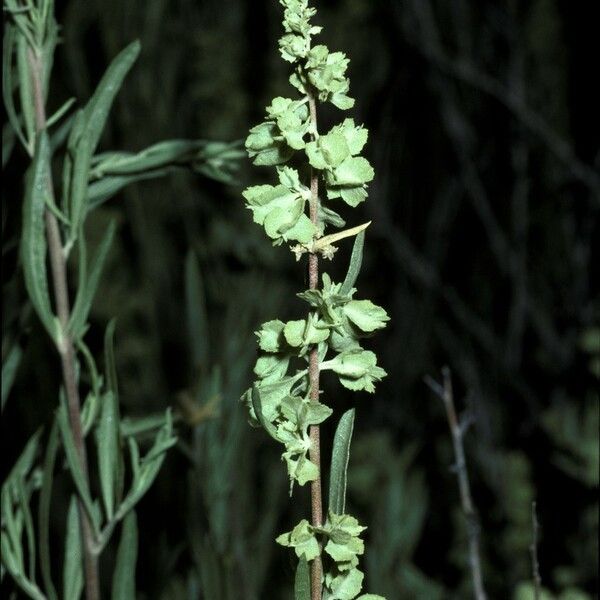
[(316, 570), (65, 346), (457, 430), (537, 578)]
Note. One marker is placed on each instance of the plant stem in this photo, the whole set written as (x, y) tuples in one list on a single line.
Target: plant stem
[(65, 347), (457, 430), (316, 501)]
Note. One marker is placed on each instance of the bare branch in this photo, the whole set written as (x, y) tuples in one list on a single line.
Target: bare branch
[(457, 430)]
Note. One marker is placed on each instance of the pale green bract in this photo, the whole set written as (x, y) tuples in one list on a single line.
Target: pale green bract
[(280, 399)]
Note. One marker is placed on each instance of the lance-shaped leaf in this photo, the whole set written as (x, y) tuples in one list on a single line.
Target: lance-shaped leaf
[(86, 133), (44, 511), (355, 264), (302, 580), (9, 371), (108, 442), (74, 461), (339, 463), (33, 239), (72, 565), (123, 585), (9, 40), (88, 285), (146, 469), (26, 89)]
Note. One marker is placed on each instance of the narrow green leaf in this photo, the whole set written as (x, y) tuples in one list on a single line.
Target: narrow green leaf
[(73, 568), (9, 371), (107, 438), (195, 308), (339, 463), (94, 118), (109, 358), (60, 112), (302, 580), (123, 586), (33, 239), (25, 91), (78, 185), (103, 189), (7, 81), (74, 462), (25, 461), (24, 497), (98, 107), (355, 264), (44, 512), (88, 286), (146, 469)]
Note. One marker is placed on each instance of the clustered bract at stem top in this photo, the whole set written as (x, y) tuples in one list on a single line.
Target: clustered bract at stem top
[(280, 400)]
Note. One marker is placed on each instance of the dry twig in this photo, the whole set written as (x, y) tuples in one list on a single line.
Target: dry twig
[(457, 430)]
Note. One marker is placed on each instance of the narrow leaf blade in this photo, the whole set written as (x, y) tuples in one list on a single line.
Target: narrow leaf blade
[(355, 264), (302, 580), (339, 463), (73, 460), (9, 371), (88, 287), (44, 512), (73, 568), (107, 435), (123, 587), (33, 239)]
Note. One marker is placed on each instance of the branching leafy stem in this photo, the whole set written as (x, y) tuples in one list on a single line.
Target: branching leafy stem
[(284, 400)]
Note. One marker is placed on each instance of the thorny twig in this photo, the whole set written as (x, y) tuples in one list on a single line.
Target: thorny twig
[(457, 430)]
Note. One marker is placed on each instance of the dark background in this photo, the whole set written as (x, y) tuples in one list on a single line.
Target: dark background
[(484, 136)]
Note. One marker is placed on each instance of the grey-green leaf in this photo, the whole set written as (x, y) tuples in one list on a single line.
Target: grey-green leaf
[(44, 512), (9, 371), (107, 436), (93, 120), (123, 586), (73, 569), (302, 580), (33, 239), (88, 286), (7, 81), (339, 463), (25, 90), (355, 264), (109, 358), (73, 460), (98, 107)]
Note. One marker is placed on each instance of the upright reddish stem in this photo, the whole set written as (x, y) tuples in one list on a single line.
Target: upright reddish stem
[(58, 266), (316, 501)]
